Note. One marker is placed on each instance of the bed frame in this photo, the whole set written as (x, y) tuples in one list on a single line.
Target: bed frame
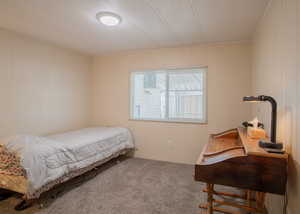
[(20, 184), (14, 183)]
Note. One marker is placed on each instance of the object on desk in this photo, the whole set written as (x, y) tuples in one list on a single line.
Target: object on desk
[(254, 123), (246, 124), (263, 98), (233, 159), (254, 131)]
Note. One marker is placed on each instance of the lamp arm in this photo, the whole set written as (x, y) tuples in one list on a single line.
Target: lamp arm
[(273, 115)]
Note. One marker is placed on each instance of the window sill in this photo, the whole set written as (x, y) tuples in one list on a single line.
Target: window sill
[(170, 121)]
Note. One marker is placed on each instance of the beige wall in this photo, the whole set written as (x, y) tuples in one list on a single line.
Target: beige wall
[(228, 81), (43, 88), (276, 73)]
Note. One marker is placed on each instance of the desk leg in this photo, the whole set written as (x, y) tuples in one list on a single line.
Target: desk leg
[(248, 198), (260, 202), (210, 193)]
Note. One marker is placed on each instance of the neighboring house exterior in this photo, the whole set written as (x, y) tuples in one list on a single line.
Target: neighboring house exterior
[(184, 96)]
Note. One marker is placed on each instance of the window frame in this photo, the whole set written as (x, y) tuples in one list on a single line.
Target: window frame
[(204, 70)]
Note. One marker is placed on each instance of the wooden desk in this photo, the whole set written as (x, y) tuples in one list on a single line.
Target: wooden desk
[(232, 159)]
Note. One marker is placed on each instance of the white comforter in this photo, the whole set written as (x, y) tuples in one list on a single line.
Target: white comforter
[(46, 159)]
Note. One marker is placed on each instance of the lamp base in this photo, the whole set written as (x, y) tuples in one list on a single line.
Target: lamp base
[(277, 151), (270, 145)]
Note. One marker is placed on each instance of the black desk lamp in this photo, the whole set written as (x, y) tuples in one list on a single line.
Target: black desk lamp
[(263, 98)]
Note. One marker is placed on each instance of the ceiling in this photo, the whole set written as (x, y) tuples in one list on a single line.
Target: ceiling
[(145, 23)]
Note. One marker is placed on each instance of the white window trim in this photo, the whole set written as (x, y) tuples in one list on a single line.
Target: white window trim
[(173, 120)]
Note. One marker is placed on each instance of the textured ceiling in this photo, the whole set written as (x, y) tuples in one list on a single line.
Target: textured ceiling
[(145, 23)]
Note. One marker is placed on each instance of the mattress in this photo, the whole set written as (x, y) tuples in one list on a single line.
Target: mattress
[(47, 159)]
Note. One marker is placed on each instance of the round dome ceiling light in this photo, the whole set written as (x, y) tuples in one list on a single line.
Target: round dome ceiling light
[(108, 18)]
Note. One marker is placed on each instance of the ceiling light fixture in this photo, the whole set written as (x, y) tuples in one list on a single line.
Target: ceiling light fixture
[(108, 18)]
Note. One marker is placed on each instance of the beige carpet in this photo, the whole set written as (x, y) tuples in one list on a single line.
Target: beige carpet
[(126, 186)]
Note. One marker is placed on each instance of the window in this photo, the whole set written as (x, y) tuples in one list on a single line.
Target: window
[(175, 95)]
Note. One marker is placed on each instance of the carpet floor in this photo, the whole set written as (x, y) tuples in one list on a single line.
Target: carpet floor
[(122, 186)]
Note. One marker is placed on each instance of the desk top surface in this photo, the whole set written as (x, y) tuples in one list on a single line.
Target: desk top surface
[(230, 144), (252, 147)]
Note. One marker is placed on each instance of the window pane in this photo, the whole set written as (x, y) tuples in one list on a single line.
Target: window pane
[(186, 95), (185, 105), (185, 81), (169, 95), (150, 80), (149, 95)]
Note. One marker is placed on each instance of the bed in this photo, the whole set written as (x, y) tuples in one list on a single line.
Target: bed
[(31, 165)]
